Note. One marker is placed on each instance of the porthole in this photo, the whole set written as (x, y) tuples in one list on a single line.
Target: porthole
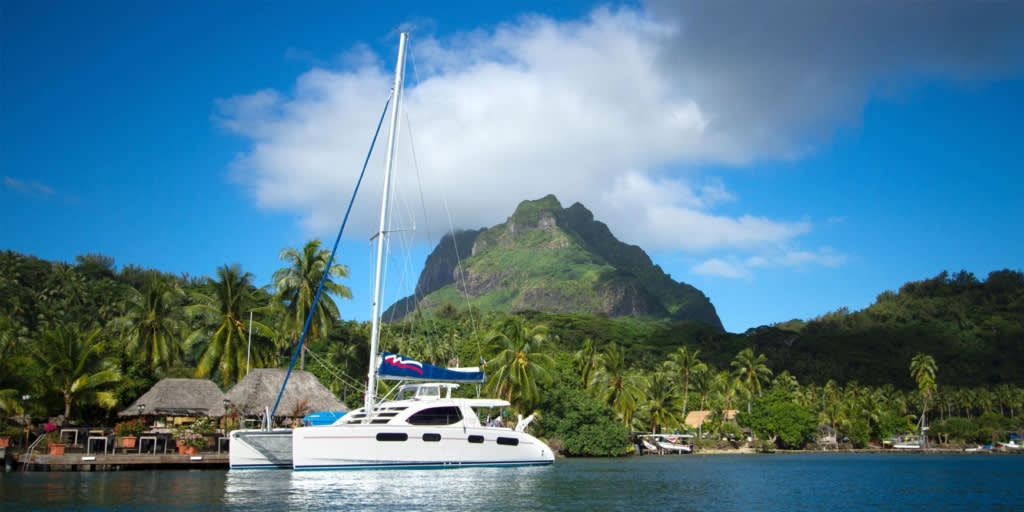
[(431, 438), (392, 436), (476, 439)]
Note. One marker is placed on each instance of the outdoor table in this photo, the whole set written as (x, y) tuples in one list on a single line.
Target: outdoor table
[(70, 431), (148, 438), (88, 443)]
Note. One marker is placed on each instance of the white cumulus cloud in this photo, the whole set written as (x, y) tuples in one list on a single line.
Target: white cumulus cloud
[(619, 111)]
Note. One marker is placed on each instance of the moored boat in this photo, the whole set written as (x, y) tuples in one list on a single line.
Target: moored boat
[(424, 427), (421, 427)]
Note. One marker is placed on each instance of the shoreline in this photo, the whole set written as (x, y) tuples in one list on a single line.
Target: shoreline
[(936, 451)]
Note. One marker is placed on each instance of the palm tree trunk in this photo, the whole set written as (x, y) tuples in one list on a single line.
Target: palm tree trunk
[(700, 426), (686, 394)]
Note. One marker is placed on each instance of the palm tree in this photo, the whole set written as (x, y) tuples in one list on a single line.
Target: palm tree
[(727, 385), (11, 368), (586, 359), (1005, 396), (223, 333), (832, 410), (704, 385), (984, 399), (521, 363), (661, 407), (619, 387), (922, 370), (296, 287), (344, 356), (786, 381), (154, 323), (752, 370), (75, 366), (686, 362)]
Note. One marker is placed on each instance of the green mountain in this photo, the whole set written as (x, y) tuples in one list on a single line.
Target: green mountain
[(974, 329), (552, 259)]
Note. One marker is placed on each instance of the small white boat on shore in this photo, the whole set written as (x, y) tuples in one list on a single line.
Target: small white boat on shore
[(1012, 445), (668, 443), (907, 442)]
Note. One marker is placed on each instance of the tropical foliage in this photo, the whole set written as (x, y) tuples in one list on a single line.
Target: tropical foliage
[(154, 323), (297, 285), (85, 339), (521, 365), (222, 334), (76, 367)]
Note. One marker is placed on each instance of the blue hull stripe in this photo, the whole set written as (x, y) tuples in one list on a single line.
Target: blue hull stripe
[(261, 466)]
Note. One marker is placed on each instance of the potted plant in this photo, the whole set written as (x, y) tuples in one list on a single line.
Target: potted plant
[(8, 433), (189, 441), (127, 432), (53, 442), (205, 426)]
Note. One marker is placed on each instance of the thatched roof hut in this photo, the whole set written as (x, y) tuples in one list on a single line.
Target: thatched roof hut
[(179, 397), (694, 419), (304, 394)]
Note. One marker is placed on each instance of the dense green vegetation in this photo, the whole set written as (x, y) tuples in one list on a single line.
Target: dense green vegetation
[(85, 339)]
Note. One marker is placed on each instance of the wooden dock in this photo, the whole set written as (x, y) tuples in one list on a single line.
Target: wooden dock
[(115, 462)]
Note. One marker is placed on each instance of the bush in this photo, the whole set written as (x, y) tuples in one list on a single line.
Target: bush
[(583, 425), (764, 446), (52, 437), (778, 418), (955, 430), (195, 434), (10, 431), (893, 424), (204, 426), (859, 433)]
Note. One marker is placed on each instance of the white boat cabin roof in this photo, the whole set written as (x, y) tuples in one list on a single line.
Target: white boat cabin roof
[(430, 402)]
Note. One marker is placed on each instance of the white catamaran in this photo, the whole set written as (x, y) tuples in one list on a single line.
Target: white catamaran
[(422, 426)]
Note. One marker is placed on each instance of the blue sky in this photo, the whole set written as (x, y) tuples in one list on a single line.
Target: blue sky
[(787, 159)]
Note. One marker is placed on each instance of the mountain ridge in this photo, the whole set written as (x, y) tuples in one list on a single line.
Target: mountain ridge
[(548, 258)]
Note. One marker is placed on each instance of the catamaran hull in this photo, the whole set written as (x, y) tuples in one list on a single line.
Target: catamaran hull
[(405, 447), (261, 449)]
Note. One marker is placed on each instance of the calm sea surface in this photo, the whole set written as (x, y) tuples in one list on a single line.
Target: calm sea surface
[(714, 482)]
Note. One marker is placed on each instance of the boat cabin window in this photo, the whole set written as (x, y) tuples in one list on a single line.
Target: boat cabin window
[(431, 391), (436, 416)]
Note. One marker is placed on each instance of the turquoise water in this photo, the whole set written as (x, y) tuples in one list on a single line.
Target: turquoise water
[(715, 482)]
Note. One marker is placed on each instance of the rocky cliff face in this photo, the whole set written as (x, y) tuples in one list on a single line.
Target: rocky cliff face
[(548, 258)]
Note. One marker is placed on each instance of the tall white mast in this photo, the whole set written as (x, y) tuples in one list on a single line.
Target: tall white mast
[(371, 383)]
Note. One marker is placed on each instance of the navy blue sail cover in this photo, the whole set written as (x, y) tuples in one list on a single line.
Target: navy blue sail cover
[(396, 367)]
